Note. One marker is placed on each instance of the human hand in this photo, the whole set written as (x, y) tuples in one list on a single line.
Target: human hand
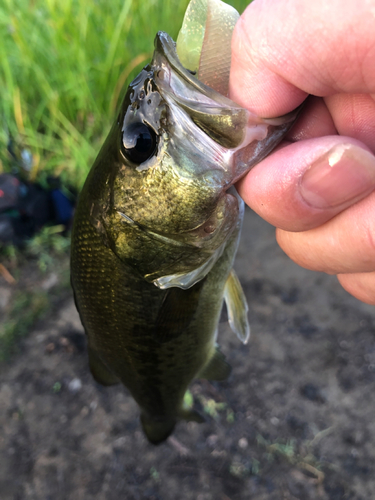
[(317, 188)]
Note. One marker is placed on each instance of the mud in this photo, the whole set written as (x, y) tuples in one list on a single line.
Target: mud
[(295, 420)]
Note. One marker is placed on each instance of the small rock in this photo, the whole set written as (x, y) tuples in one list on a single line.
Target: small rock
[(243, 443), (84, 411), (93, 405), (5, 295), (212, 440), (50, 282), (64, 341), (313, 393), (50, 347), (120, 442), (75, 385)]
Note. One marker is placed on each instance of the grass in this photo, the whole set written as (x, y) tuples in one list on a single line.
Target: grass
[(63, 68), (298, 454), (26, 309), (47, 245), (301, 456), (46, 256)]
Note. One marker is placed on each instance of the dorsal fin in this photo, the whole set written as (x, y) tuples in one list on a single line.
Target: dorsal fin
[(217, 368)]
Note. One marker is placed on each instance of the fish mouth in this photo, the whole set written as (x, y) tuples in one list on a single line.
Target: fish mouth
[(240, 138), (221, 119)]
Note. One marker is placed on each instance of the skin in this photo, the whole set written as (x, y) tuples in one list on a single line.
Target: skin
[(317, 188)]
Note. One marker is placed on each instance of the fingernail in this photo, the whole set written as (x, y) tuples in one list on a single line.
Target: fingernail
[(341, 175)]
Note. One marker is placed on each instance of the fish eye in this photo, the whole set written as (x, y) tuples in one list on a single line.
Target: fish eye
[(139, 142)]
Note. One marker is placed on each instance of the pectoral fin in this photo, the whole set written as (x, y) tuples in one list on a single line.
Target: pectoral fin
[(177, 311), (237, 307), (217, 368), (190, 415), (99, 370)]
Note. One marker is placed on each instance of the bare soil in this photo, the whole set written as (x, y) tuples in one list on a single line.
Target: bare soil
[(295, 420)]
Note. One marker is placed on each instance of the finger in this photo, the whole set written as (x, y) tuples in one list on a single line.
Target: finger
[(345, 244), (315, 120), (303, 185), (361, 286), (285, 49), (354, 115)]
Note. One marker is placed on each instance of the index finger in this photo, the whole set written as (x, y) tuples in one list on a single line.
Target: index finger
[(285, 49)]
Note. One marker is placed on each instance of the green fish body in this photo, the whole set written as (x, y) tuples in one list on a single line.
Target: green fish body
[(155, 235)]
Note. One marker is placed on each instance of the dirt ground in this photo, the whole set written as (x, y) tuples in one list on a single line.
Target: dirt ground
[(295, 420)]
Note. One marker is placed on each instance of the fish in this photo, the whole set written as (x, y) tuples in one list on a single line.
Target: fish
[(155, 234)]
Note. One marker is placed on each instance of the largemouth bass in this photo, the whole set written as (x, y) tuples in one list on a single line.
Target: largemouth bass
[(155, 235)]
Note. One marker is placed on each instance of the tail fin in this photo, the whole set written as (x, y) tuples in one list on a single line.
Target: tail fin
[(157, 429)]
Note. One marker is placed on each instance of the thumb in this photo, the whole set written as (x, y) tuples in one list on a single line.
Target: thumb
[(304, 184)]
